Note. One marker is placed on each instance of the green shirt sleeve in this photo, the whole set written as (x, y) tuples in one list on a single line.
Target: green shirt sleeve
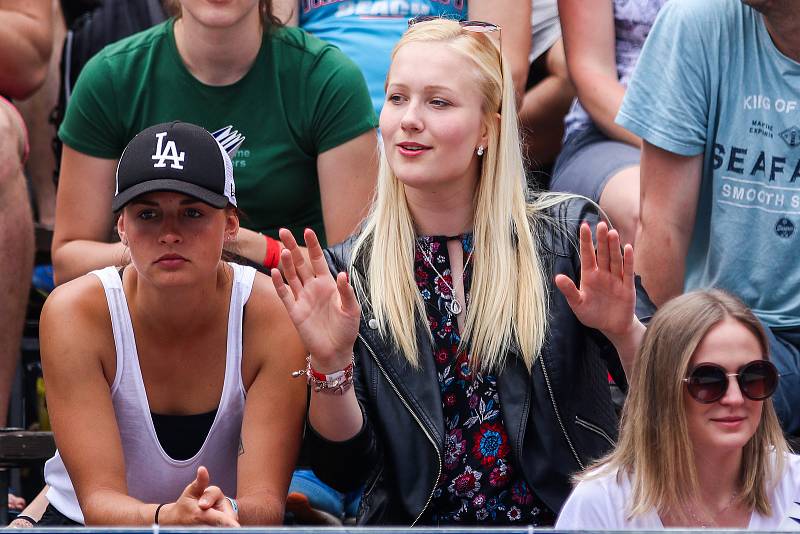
[(91, 122), (339, 100)]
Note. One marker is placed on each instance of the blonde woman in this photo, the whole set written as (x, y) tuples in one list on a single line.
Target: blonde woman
[(478, 392), (700, 444)]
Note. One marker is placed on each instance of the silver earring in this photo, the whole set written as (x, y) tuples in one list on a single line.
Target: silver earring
[(480, 150)]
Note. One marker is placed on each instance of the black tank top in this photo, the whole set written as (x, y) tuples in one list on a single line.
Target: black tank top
[(181, 436)]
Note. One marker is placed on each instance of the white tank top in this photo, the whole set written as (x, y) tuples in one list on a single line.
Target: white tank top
[(152, 476)]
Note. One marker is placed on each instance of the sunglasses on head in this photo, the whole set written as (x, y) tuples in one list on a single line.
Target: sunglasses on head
[(708, 382), (469, 25), (477, 26)]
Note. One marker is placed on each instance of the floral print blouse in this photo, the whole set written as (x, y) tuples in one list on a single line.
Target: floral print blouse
[(480, 481)]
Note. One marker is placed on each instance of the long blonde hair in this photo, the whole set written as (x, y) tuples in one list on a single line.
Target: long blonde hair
[(654, 447), (508, 297)]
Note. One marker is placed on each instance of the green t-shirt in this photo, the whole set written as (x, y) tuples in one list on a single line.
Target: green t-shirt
[(300, 98)]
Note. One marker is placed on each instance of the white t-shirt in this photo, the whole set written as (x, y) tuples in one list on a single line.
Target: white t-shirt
[(545, 25), (602, 503)]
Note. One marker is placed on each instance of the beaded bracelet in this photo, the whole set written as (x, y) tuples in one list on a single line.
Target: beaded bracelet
[(336, 383)]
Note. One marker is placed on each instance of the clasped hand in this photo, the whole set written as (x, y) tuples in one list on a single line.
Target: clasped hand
[(200, 504)]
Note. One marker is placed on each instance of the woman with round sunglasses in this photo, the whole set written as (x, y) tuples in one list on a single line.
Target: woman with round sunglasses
[(448, 374), (699, 445)]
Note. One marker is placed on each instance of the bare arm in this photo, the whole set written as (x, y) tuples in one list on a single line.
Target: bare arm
[(249, 244), (26, 30), (514, 19), (84, 220), (75, 380), (347, 176), (606, 297), (326, 313), (275, 407), (78, 356), (589, 42), (35, 509), (669, 191)]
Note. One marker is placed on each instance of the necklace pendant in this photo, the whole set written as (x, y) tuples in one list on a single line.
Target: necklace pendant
[(454, 307)]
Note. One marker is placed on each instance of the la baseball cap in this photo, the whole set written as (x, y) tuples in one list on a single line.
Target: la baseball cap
[(175, 156)]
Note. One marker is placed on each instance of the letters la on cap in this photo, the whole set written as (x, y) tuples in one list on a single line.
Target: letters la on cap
[(175, 156)]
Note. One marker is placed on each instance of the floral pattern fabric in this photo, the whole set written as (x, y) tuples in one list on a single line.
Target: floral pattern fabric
[(480, 482)]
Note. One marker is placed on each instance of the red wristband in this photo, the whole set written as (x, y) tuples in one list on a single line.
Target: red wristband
[(322, 377), (273, 255), (336, 383)]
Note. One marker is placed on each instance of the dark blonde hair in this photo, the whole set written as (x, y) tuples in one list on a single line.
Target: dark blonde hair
[(654, 447), (268, 18)]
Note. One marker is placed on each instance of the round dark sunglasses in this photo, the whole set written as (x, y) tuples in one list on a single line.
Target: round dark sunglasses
[(708, 382)]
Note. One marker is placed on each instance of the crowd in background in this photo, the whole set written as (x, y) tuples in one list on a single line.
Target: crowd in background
[(669, 126)]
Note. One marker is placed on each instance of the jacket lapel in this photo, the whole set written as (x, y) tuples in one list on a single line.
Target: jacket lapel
[(418, 387)]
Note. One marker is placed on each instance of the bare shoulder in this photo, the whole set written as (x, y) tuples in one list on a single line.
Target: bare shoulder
[(264, 299), (83, 296), (266, 318), (75, 318), (270, 341)]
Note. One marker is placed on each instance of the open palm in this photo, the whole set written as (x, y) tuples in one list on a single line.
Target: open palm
[(606, 298), (324, 309)]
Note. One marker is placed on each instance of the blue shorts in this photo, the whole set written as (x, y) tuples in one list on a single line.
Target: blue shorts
[(588, 160), (323, 497)]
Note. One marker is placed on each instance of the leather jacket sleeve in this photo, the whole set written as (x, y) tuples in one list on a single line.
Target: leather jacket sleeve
[(563, 243), (344, 465)]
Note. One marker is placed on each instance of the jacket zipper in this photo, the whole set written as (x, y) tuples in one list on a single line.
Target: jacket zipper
[(558, 415), (372, 485), (594, 428), (424, 429)]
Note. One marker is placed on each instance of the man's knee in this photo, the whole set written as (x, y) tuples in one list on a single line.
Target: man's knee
[(14, 136), (620, 200)]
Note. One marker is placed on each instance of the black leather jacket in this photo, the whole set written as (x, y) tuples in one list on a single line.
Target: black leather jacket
[(558, 418)]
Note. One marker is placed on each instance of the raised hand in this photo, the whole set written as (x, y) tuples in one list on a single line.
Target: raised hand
[(606, 298), (200, 504), (324, 309)]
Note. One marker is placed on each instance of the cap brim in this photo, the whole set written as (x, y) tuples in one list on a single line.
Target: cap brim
[(212, 199)]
